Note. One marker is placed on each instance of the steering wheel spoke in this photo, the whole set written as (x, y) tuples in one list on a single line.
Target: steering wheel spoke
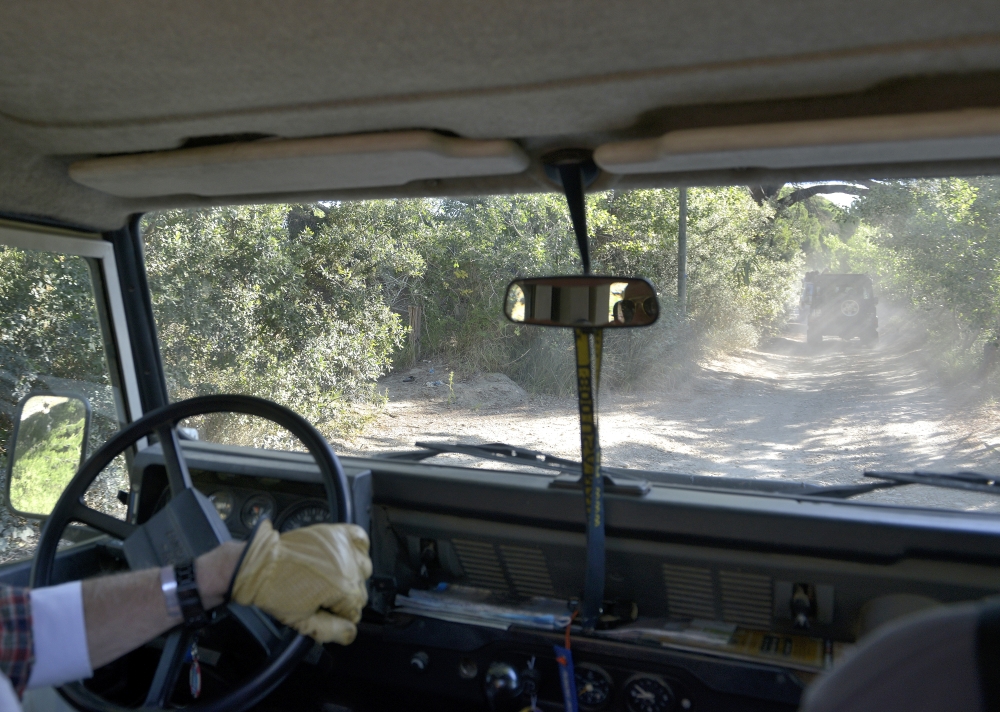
[(102, 522), (169, 668), (177, 470), (259, 625)]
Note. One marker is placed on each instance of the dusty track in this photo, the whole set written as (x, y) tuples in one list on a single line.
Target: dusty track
[(785, 411)]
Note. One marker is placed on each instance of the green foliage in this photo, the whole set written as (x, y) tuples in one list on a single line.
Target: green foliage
[(306, 304), (49, 329), (741, 280), (934, 245), (246, 305), (475, 248), (943, 239), (47, 455), (816, 228), (49, 321), (303, 304)]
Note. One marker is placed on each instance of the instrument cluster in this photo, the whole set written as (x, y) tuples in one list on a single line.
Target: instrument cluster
[(242, 509), (596, 691)]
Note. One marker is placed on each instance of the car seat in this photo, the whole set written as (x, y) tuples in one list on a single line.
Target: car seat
[(941, 660)]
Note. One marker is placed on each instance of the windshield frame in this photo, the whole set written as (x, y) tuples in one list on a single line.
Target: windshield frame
[(108, 299)]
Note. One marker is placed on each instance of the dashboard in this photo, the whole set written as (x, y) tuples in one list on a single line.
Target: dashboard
[(247, 485), (680, 552)]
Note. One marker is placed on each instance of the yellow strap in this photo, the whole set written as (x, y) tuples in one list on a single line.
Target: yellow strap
[(598, 350), (593, 485), (588, 420)]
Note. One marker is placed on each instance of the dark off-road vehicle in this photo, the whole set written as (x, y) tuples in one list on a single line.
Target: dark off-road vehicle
[(839, 305)]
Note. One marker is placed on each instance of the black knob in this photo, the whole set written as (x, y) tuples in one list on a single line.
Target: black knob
[(420, 661), (503, 684)]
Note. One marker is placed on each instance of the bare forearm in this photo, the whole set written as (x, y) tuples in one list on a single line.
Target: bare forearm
[(124, 611)]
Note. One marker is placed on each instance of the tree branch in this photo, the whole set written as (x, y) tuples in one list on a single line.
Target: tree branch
[(763, 193), (797, 196)]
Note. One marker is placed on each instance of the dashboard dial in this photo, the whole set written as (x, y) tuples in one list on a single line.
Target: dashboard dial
[(593, 687), (256, 508), (304, 515), (223, 501), (645, 693)]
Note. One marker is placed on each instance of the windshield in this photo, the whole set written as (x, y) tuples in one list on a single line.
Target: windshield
[(825, 329)]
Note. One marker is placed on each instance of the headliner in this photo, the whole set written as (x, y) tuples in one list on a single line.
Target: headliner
[(96, 77)]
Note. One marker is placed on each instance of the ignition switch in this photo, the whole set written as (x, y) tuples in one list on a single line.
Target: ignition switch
[(532, 680), (428, 557), (420, 661), (803, 604)]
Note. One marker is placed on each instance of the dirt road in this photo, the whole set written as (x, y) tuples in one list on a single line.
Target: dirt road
[(785, 411)]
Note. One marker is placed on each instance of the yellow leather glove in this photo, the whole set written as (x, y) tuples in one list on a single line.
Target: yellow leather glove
[(312, 579)]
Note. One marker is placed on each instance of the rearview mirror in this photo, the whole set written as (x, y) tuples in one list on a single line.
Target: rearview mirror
[(582, 301), (47, 448)]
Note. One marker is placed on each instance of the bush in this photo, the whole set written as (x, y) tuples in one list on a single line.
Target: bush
[(933, 247), (244, 304), (303, 304), (50, 337)]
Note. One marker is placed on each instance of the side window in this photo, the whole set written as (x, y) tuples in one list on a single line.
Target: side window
[(51, 340)]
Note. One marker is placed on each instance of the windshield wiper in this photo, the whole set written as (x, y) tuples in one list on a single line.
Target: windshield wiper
[(511, 454), (502, 452), (964, 480)]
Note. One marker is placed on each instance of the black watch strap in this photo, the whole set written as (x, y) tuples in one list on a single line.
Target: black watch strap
[(187, 594)]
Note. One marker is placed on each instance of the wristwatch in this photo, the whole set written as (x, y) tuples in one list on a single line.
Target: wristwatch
[(180, 592)]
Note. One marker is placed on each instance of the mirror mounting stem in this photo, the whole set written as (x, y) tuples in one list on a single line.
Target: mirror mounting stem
[(574, 169), (571, 174)]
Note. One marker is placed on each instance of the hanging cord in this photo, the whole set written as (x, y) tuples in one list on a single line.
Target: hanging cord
[(569, 626)]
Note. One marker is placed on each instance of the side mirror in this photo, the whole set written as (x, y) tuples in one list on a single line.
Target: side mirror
[(47, 448), (582, 301)]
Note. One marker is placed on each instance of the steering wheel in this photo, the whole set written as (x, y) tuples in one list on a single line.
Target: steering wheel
[(283, 647)]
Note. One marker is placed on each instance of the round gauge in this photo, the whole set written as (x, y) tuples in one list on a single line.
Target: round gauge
[(303, 515), (256, 508), (593, 687), (223, 501), (645, 693)]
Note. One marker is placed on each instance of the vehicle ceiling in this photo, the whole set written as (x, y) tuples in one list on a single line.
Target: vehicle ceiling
[(97, 77)]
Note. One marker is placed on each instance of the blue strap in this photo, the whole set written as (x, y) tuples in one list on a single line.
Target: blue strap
[(567, 678)]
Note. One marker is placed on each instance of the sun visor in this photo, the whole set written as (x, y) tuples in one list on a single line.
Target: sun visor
[(300, 165), (902, 138)]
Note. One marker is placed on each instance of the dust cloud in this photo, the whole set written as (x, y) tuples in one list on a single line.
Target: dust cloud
[(785, 410)]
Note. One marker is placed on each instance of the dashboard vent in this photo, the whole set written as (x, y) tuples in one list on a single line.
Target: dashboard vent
[(690, 593), (527, 570), (481, 565), (746, 599)]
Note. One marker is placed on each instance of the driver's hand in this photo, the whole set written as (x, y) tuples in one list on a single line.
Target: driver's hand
[(312, 579)]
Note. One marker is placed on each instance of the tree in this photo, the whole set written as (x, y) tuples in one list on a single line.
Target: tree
[(942, 239), (245, 305)]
